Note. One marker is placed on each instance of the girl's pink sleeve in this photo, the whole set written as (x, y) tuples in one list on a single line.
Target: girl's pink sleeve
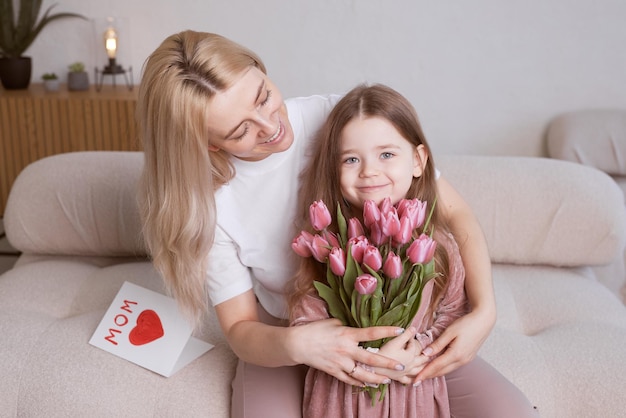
[(310, 308), (454, 302)]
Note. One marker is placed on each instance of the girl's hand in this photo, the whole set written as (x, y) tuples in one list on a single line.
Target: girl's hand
[(458, 345), (407, 350), (333, 348)]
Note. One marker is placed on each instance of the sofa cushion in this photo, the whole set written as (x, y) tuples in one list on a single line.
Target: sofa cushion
[(51, 305), (560, 337)]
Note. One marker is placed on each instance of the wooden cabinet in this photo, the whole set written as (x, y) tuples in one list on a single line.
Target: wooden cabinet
[(35, 123)]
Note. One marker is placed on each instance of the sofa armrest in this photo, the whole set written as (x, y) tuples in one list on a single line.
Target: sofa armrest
[(540, 210), (81, 203), (596, 138)]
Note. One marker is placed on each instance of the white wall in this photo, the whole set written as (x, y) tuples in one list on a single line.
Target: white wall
[(486, 76)]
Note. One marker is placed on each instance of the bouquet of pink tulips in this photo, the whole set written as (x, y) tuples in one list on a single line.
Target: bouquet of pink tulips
[(375, 272)]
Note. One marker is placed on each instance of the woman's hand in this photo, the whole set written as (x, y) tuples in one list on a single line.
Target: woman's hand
[(458, 344), (333, 348)]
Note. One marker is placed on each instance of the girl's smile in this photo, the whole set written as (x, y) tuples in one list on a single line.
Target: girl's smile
[(376, 161)]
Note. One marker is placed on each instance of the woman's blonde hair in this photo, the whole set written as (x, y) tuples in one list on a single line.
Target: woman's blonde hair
[(320, 178), (180, 176)]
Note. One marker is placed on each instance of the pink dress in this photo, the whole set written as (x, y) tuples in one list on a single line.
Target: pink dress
[(326, 396)]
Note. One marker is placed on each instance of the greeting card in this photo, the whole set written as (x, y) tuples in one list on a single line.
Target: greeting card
[(146, 328)]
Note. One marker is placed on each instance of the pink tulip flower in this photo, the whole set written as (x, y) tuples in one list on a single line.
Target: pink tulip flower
[(393, 266), (389, 222), (371, 213), (401, 205), (355, 228), (331, 238), (301, 244), (357, 247), (372, 258), (365, 284), (414, 209), (403, 236), (422, 250), (320, 248), (385, 206), (337, 261), (320, 216)]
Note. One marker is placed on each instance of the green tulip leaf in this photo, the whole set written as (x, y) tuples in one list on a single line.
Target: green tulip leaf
[(334, 303)]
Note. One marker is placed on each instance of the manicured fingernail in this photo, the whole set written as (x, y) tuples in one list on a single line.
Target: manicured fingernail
[(399, 367), (427, 351), (399, 331), (416, 384), (386, 381)]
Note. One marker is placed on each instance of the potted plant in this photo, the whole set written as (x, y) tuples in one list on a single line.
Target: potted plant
[(77, 78), (50, 81), (16, 36)]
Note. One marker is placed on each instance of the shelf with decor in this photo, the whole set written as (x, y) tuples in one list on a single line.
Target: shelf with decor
[(35, 123)]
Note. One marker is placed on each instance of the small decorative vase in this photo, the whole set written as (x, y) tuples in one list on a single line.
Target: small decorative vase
[(51, 85), (77, 81)]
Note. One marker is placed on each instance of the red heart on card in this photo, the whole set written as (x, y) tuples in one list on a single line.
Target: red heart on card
[(148, 328)]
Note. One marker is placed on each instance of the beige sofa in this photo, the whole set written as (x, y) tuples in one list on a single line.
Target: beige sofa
[(595, 138), (560, 335)]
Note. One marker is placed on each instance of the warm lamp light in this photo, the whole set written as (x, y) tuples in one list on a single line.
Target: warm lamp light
[(110, 37), (110, 42)]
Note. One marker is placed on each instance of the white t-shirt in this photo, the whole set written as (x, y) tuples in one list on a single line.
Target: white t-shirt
[(255, 214)]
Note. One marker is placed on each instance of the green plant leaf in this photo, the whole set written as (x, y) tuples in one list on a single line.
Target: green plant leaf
[(336, 284), (376, 303), (392, 317), (430, 215), (393, 290), (354, 309), (17, 36), (352, 271), (364, 311), (343, 226), (334, 303)]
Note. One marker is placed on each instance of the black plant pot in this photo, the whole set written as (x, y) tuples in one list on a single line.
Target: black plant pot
[(15, 72)]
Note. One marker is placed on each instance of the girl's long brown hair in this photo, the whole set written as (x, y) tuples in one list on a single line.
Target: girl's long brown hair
[(320, 178)]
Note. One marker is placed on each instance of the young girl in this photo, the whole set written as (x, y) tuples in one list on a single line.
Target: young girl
[(373, 143)]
